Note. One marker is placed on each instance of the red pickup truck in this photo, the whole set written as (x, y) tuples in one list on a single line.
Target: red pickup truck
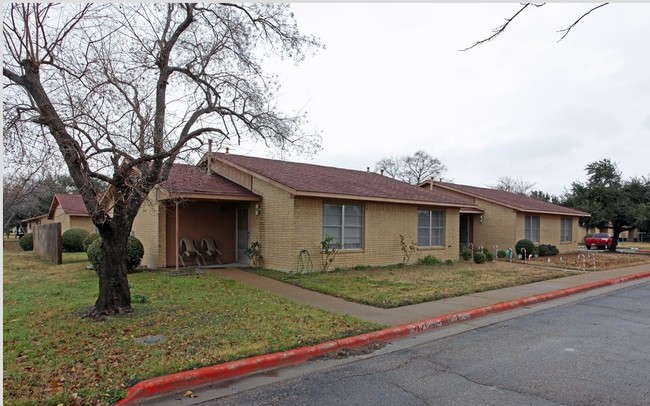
[(599, 240)]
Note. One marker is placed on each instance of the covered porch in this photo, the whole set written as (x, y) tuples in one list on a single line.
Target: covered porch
[(218, 228)]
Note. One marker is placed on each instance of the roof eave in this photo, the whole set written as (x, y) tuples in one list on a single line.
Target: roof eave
[(209, 196), (556, 213), (337, 196)]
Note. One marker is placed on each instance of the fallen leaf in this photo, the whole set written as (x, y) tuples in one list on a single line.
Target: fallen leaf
[(190, 394)]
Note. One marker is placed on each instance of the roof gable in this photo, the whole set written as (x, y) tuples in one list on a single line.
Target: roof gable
[(509, 199), (72, 205), (315, 180)]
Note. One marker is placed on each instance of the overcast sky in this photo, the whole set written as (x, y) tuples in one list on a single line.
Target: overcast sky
[(391, 81)]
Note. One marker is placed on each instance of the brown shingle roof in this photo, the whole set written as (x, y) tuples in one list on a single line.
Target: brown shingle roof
[(72, 205), (190, 179), (509, 199), (315, 180)]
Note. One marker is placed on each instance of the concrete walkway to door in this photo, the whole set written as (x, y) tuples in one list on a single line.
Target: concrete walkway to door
[(414, 313)]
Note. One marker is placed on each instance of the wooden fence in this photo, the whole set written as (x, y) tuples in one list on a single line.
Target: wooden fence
[(47, 242)]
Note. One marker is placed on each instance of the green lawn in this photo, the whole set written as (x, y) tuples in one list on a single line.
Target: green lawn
[(396, 286), (51, 353)]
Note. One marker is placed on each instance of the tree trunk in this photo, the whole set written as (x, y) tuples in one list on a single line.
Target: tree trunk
[(616, 231), (114, 293)]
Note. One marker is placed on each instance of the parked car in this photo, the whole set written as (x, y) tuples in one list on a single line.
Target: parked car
[(599, 240)]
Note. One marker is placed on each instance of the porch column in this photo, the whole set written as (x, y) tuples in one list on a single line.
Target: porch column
[(176, 232)]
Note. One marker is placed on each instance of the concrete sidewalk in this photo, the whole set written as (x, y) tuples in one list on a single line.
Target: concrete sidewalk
[(413, 313)]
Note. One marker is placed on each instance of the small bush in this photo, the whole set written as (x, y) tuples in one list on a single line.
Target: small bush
[(94, 252), (489, 256), (429, 260), (547, 250), (134, 250), (501, 254), (449, 262), (89, 240), (361, 267), (73, 240), (479, 257), (527, 244), (467, 254), (26, 242)]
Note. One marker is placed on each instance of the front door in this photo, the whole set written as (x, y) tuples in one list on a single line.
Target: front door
[(242, 235), (465, 231)]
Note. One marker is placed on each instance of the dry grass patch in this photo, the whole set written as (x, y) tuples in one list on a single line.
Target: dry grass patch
[(592, 260), (50, 353), (389, 287)]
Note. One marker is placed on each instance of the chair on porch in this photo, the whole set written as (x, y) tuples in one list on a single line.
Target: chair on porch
[(188, 250), (210, 250)]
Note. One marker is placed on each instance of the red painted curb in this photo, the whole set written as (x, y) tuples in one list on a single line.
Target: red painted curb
[(182, 380)]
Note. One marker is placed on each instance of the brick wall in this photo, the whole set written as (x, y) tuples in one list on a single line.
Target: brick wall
[(383, 224), (274, 226), (499, 227), (146, 227), (549, 231), (84, 223)]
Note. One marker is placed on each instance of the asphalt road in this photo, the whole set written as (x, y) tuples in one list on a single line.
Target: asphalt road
[(595, 351)]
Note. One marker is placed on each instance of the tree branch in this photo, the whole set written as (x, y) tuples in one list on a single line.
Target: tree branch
[(568, 29), (497, 31)]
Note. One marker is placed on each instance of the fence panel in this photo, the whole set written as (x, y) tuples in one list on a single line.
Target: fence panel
[(47, 242)]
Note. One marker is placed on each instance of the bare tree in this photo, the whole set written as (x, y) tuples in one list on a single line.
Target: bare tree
[(123, 90), (500, 29), (513, 185), (390, 167), (413, 169)]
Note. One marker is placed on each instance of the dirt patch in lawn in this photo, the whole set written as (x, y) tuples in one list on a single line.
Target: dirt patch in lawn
[(591, 260)]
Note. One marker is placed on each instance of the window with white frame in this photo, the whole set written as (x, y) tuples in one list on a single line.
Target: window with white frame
[(343, 222), (566, 224), (431, 228), (532, 228)]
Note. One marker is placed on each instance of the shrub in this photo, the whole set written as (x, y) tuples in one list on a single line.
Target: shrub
[(489, 256), (479, 257), (429, 260), (547, 250), (501, 254), (134, 250), (467, 254), (89, 240), (73, 240), (26, 242), (94, 252), (449, 262), (527, 244)]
